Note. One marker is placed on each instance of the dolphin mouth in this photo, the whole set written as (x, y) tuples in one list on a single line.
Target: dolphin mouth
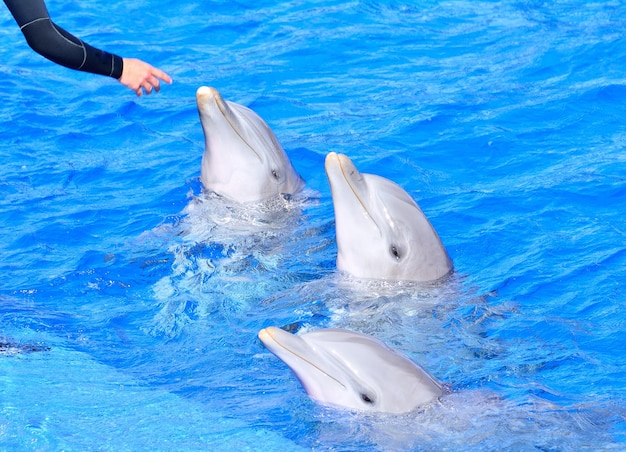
[(276, 340), (226, 112), (347, 170)]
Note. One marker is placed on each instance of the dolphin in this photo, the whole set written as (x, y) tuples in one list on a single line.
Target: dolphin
[(352, 370), (381, 231), (10, 347), (242, 159)]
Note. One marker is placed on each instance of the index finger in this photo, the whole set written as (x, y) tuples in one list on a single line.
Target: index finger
[(162, 75)]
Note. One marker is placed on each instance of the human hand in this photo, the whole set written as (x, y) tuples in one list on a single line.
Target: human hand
[(140, 76)]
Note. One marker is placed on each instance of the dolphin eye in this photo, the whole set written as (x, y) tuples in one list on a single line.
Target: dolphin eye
[(366, 399), (395, 252), (275, 174)]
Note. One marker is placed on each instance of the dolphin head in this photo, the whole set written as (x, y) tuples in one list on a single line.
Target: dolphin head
[(381, 231), (242, 159), (352, 370)]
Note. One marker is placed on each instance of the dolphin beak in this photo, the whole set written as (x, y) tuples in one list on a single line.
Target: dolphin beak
[(206, 95), (294, 352), (210, 102), (265, 335), (333, 171), (206, 91), (340, 168), (280, 342)]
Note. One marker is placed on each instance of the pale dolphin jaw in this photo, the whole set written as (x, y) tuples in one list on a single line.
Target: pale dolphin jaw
[(242, 161), (352, 370), (381, 231)]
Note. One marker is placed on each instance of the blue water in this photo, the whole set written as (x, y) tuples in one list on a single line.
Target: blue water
[(504, 120)]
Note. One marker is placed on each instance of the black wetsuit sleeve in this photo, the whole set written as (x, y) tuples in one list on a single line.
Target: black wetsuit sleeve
[(54, 43)]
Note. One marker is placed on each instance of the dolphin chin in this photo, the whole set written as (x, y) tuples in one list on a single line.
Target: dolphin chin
[(381, 231), (242, 159), (352, 370)]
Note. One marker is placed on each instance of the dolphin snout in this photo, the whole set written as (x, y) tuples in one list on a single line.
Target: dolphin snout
[(340, 162), (207, 92), (265, 335), (211, 103), (331, 157)]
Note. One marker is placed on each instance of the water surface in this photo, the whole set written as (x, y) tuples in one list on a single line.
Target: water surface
[(504, 120)]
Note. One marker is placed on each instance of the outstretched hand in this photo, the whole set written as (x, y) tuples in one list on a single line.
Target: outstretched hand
[(140, 76)]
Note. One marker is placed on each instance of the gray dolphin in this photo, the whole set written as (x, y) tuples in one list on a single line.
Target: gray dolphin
[(242, 159), (353, 370), (381, 231)]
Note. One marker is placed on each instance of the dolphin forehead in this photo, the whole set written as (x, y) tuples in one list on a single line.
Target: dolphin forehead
[(363, 354)]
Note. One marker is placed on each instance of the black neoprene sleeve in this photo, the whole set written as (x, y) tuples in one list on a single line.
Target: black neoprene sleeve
[(56, 44)]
